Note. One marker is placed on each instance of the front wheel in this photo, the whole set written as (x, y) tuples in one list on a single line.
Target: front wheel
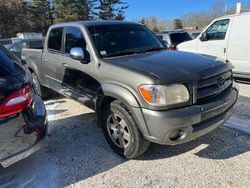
[(121, 131)]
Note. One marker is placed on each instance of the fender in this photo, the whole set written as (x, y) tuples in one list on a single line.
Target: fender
[(127, 98), (120, 93)]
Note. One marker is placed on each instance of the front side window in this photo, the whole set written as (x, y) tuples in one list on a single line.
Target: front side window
[(74, 38), (123, 39), (218, 30), (55, 39)]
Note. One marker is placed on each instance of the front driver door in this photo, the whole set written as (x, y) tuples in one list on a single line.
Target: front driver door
[(77, 76), (216, 42)]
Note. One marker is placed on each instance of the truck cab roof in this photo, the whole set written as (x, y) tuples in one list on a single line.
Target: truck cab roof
[(95, 23)]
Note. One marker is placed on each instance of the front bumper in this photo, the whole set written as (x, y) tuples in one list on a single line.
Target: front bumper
[(189, 123), (22, 134)]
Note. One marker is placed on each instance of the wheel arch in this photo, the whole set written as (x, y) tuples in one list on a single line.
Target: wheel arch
[(111, 92)]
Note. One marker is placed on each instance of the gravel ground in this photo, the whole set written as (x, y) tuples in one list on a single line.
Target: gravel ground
[(77, 155)]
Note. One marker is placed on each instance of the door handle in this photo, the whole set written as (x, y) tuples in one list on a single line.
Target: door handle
[(64, 65)]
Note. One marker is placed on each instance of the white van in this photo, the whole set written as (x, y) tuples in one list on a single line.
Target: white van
[(228, 38)]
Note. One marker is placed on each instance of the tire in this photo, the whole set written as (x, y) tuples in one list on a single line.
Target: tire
[(121, 131), (43, 92)]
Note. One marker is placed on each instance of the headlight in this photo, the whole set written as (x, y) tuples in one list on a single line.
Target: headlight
[(158, 95), (176, 94)]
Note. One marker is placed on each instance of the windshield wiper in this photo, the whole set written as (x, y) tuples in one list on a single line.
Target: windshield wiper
[(121, 53), (154, 49)]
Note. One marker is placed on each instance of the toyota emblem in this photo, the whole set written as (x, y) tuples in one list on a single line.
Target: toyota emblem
[(221, 81)]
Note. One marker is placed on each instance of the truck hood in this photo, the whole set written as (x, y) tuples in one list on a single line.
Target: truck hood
[(172, 66)]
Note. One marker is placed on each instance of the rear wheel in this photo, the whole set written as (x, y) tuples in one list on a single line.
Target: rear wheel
[(121, 131), (40, 90)]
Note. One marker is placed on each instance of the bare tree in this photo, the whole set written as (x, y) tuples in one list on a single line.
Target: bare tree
[(177, 24), (14, 17), (199, 20), (218, 9)]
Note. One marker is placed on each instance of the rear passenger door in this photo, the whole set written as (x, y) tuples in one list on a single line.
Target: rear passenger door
[(77, 76), (51, 59)]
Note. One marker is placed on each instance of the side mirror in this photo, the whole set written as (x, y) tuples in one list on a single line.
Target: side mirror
[(204, 37), (78, 54)]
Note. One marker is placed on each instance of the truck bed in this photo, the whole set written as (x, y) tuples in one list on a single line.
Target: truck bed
[(33, 57)]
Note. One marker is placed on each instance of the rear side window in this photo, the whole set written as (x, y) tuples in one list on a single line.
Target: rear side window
[(74, 38), (55, 39)]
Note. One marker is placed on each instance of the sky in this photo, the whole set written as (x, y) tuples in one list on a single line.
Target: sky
[(170, 9)]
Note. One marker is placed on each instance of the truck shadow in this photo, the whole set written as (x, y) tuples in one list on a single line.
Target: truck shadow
[(80, 148)]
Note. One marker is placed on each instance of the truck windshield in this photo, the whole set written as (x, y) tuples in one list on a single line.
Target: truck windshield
[(123, 39)]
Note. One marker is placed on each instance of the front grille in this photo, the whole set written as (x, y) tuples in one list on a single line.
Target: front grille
[(214, 85)]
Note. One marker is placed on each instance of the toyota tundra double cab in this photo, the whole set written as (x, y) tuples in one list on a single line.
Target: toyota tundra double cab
[(140, 91)]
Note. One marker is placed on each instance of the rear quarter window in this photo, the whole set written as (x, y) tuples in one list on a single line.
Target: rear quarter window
[(55, 39)]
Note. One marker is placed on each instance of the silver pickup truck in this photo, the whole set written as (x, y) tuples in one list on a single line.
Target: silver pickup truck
[(141, 91)]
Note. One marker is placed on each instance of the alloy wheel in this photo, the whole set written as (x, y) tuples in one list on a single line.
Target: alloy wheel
[(118, 131)]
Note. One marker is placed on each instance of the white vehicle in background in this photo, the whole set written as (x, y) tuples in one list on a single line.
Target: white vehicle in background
[(227, 38), (29, 35)]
